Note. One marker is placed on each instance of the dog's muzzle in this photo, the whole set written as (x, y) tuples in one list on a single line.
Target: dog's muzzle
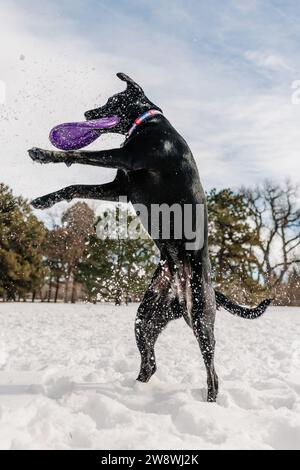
[(89, 115)]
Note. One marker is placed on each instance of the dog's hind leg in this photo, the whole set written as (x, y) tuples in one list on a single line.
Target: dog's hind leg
[(203, 327), (151, 319), (158, 307), (205, 336)]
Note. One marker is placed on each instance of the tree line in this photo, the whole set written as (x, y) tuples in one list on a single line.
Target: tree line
[(254, 242)]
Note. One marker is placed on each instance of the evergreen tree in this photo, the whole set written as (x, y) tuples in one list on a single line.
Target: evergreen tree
[(21, 239), (232, 243)]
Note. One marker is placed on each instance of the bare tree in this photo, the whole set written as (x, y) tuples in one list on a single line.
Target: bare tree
[(275, 214)]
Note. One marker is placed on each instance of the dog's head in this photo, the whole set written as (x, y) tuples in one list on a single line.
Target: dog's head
[(128, 105)]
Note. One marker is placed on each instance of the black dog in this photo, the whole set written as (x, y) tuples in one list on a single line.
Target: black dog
[(156, 166)]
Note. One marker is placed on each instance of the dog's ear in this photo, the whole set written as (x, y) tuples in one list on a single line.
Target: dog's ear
[(130, 83)]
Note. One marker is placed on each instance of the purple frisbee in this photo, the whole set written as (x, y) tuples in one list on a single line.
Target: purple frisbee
[(75, 135)]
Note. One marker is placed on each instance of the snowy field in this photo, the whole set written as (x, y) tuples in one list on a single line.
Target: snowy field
[(67, 381)]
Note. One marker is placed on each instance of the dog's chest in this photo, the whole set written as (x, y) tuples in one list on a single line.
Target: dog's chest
[(144, 182)]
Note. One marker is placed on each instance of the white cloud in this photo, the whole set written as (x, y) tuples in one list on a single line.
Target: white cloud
[(267, 60), (245, 6)]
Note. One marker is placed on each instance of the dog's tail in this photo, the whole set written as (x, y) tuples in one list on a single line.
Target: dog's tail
[(235, 309)]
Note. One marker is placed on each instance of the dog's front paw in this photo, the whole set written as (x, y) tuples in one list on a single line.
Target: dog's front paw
[(39, 155), (43, 202)]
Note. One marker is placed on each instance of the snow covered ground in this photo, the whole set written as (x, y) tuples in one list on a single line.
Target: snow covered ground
[(67, 381)]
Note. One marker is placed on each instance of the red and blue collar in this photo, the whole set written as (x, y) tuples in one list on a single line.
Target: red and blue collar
[(142, 118)]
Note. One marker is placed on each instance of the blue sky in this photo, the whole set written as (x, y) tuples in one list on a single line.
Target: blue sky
[(221, 71)]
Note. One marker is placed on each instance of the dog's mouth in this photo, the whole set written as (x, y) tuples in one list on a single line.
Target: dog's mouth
[(95, 114)]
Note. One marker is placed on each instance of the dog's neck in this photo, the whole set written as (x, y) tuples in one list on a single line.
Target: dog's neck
[(144, 117)]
